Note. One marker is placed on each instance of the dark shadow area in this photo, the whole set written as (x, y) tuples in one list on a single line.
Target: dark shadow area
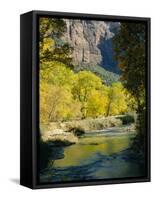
[(132, 167), (49, 152), (108, 61), (127, 119)]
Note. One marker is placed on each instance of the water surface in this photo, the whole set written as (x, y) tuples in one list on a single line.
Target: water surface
[(98, 155)]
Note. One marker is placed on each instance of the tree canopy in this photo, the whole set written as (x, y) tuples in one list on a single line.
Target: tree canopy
[(130, 52), (65, 93), (130, 48), (51, 46)]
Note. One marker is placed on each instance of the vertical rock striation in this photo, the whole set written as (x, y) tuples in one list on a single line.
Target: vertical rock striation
[(86, 37)]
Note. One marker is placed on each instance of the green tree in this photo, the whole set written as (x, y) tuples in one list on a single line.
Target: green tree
[(130, 48), (51, 46), (130, 52)]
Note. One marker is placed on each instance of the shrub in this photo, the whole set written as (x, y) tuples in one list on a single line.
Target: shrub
[(127, 119), (79, 131)]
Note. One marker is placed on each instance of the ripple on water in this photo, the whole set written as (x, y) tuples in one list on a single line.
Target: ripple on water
[(94, 157)]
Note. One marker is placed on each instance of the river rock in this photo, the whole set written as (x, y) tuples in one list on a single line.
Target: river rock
[(60, 136)]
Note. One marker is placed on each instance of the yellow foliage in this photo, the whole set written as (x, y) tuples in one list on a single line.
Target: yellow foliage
[(47, 44), (66, 95), (56, 103), (56, 73), (96, 104), (117, 102)]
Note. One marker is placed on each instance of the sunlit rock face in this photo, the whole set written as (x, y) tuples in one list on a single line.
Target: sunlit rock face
[(87, 38)]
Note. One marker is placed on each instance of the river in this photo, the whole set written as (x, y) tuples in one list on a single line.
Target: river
[(98, 155)]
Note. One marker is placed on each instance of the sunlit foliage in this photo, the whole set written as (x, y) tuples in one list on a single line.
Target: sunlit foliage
[(66, 94), (116, 100), (51, 46)]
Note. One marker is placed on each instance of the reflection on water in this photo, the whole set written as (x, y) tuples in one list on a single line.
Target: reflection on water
[(88, 147), (96, 156)]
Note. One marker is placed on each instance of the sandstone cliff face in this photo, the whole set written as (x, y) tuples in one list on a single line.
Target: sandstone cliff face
[(86, 37)]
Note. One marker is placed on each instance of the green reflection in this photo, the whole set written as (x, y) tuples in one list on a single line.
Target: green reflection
[(86, 150), (98, 155)]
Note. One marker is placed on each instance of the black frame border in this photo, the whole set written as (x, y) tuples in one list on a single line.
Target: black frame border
[(35, 99)]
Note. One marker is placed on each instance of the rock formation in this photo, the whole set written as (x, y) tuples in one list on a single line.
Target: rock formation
[(86, 37)]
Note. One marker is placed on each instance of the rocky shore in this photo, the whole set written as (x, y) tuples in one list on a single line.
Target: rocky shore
[(59, 136), (67, 133)]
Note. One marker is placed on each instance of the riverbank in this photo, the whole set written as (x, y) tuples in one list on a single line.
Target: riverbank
[(67, 133), (86, 124), (59, 137)]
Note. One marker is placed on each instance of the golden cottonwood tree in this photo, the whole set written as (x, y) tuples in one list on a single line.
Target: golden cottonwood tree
[(56, 103), (97, 103), (64, 94), (117, 102), (56, 99), (88, 85)]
